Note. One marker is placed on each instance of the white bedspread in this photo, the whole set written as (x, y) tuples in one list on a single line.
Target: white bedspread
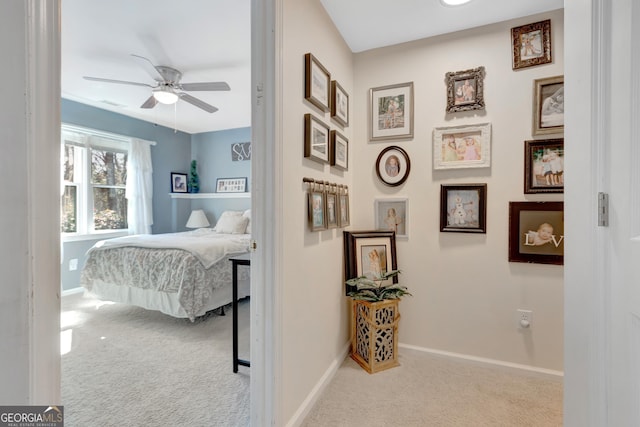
[(205, 244)]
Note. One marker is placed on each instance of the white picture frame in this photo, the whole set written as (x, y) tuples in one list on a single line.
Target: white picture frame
[(392, 214), (467, 146)]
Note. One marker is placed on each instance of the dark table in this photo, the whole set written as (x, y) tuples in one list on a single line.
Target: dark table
[(235, 262)]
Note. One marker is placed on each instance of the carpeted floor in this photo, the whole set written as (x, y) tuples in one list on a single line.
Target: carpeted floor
[(132, 367), (433, 391)]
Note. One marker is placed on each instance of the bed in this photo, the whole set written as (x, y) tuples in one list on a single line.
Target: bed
[(184, 274)]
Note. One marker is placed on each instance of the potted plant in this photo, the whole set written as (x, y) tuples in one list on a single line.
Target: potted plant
[(374, 331), (194, 180)]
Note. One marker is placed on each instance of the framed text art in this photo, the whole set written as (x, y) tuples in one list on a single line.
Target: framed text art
[(531, 44), (548, 105), (391, 112), (463, 208), (317, 87), (544, 166), (231, 185), (369, 254), (467, 146), (316, 139), (393, 166), (536, 232), (465, 90), (339, 104)]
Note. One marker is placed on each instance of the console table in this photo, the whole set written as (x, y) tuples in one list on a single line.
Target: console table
[(235, 262)]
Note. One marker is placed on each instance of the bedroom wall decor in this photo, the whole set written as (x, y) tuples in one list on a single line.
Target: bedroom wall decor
[(536, 232), (338, 150), (316, 139), (393, 166), (466, 146), (231, 185), (339, 104), (178, 182), (317, 87), (391, 112), (240, 151), (463, 208), (465, 90), (544, 166), (548, 105), (531, 44), (392, 215)]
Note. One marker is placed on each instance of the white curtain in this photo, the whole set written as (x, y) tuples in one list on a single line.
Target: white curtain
[(139, 191)]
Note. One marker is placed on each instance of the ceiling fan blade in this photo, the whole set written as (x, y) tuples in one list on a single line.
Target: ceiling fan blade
[(205, 86), (198, 103), (150, 68), (122, 82), (150, 102)]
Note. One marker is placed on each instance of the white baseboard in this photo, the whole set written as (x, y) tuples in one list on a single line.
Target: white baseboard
[(483, 360), (73, 291), (320, 386)]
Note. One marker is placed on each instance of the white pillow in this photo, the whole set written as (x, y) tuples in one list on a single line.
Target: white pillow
[(247, 214), (231, 222)]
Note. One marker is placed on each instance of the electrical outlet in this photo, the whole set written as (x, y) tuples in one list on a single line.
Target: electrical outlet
[(73, 264), (525, 318)]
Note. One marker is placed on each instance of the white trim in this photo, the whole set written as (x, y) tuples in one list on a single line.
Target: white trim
[(486, 361), (73, 291), (319, 388), (43, 210)]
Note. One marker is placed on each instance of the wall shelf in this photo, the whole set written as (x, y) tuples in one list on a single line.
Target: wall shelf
[(210, 195)]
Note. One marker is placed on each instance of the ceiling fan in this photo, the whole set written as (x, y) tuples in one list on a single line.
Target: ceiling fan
[(168, 88)]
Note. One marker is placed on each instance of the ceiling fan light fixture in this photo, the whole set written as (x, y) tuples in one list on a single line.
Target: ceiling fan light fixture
[(454, 2), (165, 96)]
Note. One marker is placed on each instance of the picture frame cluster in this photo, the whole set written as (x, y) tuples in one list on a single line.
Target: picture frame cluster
[(327, 205)]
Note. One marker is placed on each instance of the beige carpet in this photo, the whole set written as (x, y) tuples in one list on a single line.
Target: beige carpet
[(133, 367), (434, 391)]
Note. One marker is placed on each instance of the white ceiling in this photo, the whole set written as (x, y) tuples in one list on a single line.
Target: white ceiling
[(210, 40)]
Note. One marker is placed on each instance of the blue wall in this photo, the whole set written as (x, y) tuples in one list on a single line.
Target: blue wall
[(172, 153)]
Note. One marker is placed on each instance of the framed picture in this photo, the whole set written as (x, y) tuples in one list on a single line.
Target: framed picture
[(392, 215), (339, 104), (231, 185), (531, 44), (466, 146), (369, 253), (544, 166), (391, 112), (178, 182), (317, 83), (316, 139), (343, 207), (331, 197), (393, 166), (465, 90), (548, 105), (463, 208), (317, 210), (536, 232), (338, 150)]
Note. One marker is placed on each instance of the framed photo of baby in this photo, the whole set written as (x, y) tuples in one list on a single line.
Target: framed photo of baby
[(393, 166), (548, 105), (462, 146), (544, 166), (392, 215), (465, 90), (370, 254), (536, 232), (463, 208)]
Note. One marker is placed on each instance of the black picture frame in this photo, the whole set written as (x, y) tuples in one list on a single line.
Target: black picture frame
[(544, 166), (393, 166), (359, 245), (463, 208), (536, 232), (179, 182)]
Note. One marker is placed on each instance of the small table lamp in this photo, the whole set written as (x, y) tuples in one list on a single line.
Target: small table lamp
[(197, 219)]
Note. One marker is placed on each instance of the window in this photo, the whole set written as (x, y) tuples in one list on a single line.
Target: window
[(94, 179)]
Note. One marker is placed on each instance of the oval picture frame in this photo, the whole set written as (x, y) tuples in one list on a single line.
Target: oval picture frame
[(393, 166)]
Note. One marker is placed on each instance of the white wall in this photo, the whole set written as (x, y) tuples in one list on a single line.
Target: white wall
[(315, 314), (465, 291)]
